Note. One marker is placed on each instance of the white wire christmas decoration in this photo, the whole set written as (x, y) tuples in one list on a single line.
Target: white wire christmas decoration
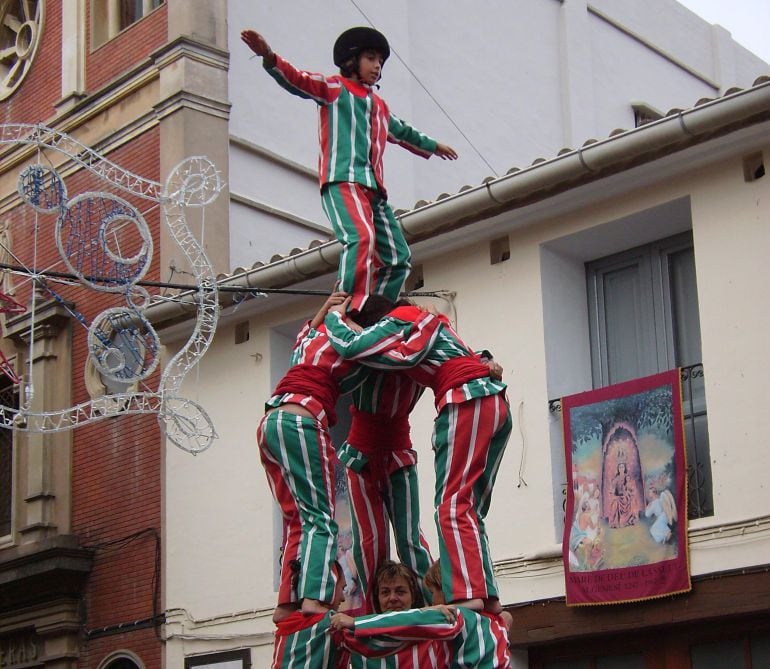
[(122, 343)]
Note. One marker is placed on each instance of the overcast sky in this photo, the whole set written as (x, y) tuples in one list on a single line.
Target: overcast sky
[(747, 20)]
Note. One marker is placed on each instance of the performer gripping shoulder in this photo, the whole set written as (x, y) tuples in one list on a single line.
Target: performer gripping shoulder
[(354, 125), (471, 430), (298, 456), (440, 636)]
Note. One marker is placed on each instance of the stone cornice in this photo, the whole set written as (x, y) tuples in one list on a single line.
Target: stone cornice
[(188, 47), (50, 318), (187, 100), (44, 571)]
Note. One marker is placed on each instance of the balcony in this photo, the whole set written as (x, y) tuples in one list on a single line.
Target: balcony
[(700, 501)]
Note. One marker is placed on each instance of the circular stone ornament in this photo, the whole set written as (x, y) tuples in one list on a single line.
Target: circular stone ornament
[(21, 25)]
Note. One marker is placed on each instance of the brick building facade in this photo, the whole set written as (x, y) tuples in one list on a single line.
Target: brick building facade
[(80, 564)]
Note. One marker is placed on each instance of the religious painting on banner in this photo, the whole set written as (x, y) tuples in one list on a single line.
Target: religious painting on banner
[(625, 530)]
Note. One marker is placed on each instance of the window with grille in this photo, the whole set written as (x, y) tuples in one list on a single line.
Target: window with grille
[(643, 319)]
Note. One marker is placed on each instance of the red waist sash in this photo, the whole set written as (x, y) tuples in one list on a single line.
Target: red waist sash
[(314, 381), (456, 372), (372, 433)]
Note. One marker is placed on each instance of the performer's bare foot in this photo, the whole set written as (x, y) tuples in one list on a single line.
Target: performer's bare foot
[(313, 606), (283, 611), (476, 604), (493, 606)]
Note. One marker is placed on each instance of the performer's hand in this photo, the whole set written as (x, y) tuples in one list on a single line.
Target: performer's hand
[(257, 43), (342, 621), (449, 612), (495, 370), (445, 152), (335, 299), (507, 621), (340, 307), (428, 309)]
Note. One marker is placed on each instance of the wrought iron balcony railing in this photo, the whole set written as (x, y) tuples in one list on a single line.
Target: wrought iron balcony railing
[(700, 501)]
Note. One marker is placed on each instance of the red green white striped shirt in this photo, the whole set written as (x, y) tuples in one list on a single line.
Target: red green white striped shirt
[(474, 641), (313, 347), (353, 126), (421, 366)]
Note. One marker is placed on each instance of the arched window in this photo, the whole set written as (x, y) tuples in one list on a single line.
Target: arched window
[(121, 659)]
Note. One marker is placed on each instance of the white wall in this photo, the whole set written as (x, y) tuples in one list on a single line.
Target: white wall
[(520, 80), (529, 311)]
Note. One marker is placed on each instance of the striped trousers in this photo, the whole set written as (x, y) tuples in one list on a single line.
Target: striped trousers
[(375, 257), (469, 439), (298, 458), (374, 503)]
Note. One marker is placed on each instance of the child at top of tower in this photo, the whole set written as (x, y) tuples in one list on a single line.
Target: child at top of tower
[(354, 125)]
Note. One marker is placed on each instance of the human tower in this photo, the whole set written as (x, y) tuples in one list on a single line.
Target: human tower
[(385, 351)]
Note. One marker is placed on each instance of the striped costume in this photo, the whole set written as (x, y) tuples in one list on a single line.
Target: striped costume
[(417, 655), (297, 452), (469, 438), (475, 640), (381, 471), (307, 642), (354, 125)]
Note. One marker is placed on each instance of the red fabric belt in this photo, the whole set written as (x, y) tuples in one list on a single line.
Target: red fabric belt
[(372, 433), (456, 372), (295, 622), (315, 381)]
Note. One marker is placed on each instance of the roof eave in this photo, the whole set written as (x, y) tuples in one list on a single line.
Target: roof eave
[(594, 160)]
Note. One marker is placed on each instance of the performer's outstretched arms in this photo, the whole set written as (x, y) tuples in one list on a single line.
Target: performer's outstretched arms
[(375, 346)]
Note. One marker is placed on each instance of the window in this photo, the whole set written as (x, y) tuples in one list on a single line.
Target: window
[(737, 644), (122, 663), (109, 17), (745, 652), (632, 661), (235, 659), (9, 396), (122, 659), (643, 319), (644, 113)]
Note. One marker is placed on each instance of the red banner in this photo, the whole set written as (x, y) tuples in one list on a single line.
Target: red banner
[(625, 530)]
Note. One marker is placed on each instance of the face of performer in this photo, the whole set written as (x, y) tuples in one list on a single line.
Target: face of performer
[(395, 595), (369, 67)]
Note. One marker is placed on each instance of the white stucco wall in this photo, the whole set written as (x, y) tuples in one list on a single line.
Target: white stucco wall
[(527, 79), (530, 311)]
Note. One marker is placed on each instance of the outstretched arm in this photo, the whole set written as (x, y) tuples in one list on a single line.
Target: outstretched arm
[(383, 634), (403, 134), (378, 346), (259, 46), (342, 621), (445, 152), (306, 85)]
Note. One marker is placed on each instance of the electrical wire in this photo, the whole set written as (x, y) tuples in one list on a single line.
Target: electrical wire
[(52, 274), (430, 95)]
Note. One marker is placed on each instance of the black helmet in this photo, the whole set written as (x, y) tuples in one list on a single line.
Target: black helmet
[(355, 40)]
